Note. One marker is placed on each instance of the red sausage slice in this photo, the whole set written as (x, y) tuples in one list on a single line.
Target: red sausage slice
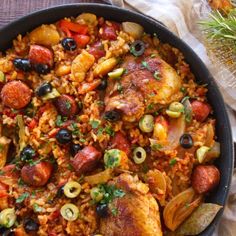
[(38, 174), (205, 178), (109, 31), (119, 141), (200, 110), (40, 55), (86, 159), (15, 94), (97, 50), (66, 105)]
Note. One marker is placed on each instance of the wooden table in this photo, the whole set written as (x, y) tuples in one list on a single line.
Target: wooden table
[(13, 9)]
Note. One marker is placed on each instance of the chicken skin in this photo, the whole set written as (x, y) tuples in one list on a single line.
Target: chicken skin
[(149, 82), (137, 211)]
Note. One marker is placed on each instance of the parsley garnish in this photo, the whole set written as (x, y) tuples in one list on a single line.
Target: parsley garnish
[(68, 105), (82, 140), (156, 75), (114, 211), (150, 106), (109, 130), (20, 182), (110, 193), (145, 65), (183, 89), (2, 172), (37, 208), (172, 162), (75, 129), (119, 88), (156, 147), (22, 197), (70, 167), (59, 120), (94, 123)]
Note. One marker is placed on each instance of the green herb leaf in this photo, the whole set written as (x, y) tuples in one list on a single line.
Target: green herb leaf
[(22, 197), (150, 106), (94, 123), (183, 89), (109, 130), (68, 105), (114, 211), (2, 172), (172, 162), (37, 208), (119, 88), (156, 147), (145, 65)]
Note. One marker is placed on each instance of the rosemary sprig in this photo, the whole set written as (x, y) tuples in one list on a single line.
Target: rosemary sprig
[(221, 27)]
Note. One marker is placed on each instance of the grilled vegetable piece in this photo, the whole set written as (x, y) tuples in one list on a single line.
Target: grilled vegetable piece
[(133, 29), (99, 178), (176, 212), (80, 65), (4, 145), (46, 35), (200, 219)]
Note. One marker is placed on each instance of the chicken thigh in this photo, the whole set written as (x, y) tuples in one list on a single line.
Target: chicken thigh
[(137, 211), (149, 82)]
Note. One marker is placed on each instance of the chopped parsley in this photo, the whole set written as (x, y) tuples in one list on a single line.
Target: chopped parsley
[(68, 105), (150, 106), (82, 140), (114, 211), (156, 147), (75, 129), (109, 130), (172, 162), (2, 172), (110, 193), (145, 65), (20, 182), (60, 120), (37, 208), (156, 75), (69, 167), (22, 197), (183, 89), (119, 88), (94, 123)]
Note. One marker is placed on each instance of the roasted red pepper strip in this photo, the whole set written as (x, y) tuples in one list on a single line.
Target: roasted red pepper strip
[(81, 40), (67, 26)]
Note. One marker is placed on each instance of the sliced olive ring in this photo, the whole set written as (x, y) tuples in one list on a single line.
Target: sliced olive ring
[(7, 217), (146, 123), (69, 212), (72, 189), (139, 155), (137, 48), (186, 141)]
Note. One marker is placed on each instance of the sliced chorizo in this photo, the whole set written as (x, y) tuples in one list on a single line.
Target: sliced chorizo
[(37, 175), (86, 159), (66, 105), (200, 110), (97, 50), (119, 141), (16, 94), (108, 32), (205, 178), (40, 55)]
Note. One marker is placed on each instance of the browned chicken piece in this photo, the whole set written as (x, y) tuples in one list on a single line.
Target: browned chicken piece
[(137, 211), (148, 82)]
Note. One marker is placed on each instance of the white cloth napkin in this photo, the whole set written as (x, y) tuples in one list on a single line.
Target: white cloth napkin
[(181, 17)]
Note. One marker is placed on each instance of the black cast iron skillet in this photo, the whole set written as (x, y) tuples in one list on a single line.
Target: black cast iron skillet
[(223, 130)]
